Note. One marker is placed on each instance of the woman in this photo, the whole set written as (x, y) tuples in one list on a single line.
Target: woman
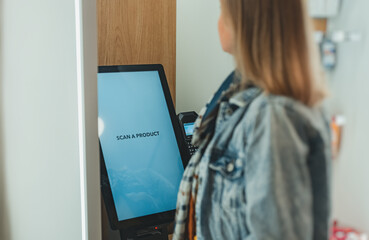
[(263, 165)]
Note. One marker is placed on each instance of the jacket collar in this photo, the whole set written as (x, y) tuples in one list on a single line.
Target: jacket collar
[(242, 98)]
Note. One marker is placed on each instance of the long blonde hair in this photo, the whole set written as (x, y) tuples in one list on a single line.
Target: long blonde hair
[(274, 47)]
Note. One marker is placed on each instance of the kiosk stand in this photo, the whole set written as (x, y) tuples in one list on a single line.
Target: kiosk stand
[(143, 152), (146, 234)]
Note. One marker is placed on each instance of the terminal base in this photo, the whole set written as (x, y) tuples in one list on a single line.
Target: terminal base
[(147, 234)]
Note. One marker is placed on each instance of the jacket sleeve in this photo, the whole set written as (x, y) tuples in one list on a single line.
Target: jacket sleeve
[(278, 185)]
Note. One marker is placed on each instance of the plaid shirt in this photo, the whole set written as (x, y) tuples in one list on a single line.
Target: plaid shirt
[(188, 187)]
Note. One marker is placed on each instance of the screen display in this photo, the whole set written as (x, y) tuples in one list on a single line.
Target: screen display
[(189, 128), (138, 143)]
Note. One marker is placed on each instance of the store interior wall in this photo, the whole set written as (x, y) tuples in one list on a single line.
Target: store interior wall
[(349, 84), (40, 195), (4, 228), (201, 63)]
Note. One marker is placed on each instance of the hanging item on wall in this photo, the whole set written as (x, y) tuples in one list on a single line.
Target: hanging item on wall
[(346, 233), (324, 8), (329, 54), (345, 36), (337, 123), (328, 43)]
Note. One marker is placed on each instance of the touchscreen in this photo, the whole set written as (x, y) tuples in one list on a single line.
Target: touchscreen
[(138, 143), (189, 128)]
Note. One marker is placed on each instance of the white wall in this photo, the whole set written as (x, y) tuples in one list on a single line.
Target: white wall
[(48, 150), (350, 86), (201, 64)]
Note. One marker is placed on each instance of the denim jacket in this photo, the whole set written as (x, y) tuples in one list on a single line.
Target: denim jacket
[(266, 172)]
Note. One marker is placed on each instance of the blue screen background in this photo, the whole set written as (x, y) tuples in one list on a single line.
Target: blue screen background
[(144, 172)]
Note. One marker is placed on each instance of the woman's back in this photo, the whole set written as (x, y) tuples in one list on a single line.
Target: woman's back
[(264, 171), (263, 167)]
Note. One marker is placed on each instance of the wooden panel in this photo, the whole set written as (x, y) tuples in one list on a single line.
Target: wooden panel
[(320, 25), (138, 32)]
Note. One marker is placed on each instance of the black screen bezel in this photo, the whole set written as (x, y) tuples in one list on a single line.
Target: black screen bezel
[(154, 219)]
